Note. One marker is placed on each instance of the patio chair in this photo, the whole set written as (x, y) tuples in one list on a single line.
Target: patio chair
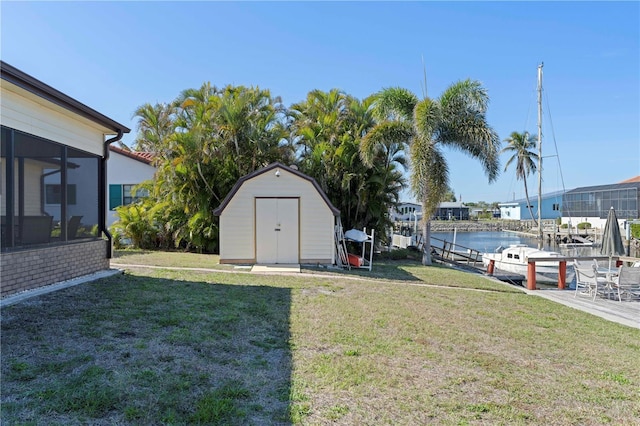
[(627, 282), (36, 229), (587, 279), (72, 227)]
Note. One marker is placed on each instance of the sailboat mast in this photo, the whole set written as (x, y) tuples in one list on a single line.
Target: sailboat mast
[(540, 236)]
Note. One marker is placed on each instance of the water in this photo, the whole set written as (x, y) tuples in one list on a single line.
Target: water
[(490, 241)]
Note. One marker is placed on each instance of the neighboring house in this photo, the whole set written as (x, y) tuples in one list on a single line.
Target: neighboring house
[(126, 169), (592, 203), (510, 211), (52, 184), (477, 212), (407, 212), (277, 215), (412, 212), (518, 210), (451, 211)]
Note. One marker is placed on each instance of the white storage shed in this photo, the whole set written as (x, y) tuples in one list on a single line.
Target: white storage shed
[(277, 215)]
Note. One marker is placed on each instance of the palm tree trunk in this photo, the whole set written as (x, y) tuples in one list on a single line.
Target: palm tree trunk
[(426, 241), (526, 194)]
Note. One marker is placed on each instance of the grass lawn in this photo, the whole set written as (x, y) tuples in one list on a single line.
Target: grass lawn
[(404, 344)]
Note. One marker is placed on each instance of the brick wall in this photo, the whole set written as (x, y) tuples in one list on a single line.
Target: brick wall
[(29, 269)]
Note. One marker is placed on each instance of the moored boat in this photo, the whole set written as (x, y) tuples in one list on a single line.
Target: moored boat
[(515, 259)]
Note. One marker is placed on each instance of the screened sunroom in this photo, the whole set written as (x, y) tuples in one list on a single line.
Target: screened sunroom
[(53, 153)]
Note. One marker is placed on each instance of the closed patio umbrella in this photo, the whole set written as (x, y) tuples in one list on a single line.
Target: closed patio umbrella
[(611, 238)]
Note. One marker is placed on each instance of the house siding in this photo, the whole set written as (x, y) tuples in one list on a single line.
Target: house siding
[(29, 269), (32, 205), (316, 221), (122, 170), (21, 110)]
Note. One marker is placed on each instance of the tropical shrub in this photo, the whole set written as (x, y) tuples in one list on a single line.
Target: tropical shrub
[(204, 141), (400, 254), (584, 225), (136, 224), (362, 179)]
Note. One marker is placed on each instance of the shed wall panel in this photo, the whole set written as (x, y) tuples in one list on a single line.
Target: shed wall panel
[(237, 230), (238, 218)]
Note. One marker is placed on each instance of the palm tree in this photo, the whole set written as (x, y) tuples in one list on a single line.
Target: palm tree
[(155, 126), (521, 144), (456, 119), (328, 128)]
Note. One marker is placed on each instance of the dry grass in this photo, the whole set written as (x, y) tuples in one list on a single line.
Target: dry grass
[(167, 258), (181, 347)]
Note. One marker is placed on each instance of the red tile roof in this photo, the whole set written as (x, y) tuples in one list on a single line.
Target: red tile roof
[(144, 157), (633, 179)]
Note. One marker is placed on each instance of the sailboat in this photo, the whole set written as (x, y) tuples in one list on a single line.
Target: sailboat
[(515, 257)]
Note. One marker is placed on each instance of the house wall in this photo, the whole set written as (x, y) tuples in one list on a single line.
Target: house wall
[(402, 213), (449, 213), (122, 170), (32, 171), (547, 211), (237, 221), (32, 268), (510, 212), (28, 269), (22, 110)]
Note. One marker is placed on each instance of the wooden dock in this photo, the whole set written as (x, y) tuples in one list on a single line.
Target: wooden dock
[(471, 260)]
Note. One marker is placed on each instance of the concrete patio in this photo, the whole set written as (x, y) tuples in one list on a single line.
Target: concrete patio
[(626, 312)]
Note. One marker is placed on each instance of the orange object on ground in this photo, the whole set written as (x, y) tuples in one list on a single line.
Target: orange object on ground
[(355, 260)]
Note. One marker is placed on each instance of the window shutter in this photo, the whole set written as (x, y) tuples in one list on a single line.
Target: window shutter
[(115, 196)]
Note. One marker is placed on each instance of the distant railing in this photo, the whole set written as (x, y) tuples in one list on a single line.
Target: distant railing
[(451, 251)]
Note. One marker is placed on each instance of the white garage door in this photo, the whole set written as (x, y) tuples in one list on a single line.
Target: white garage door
[(277, 230)]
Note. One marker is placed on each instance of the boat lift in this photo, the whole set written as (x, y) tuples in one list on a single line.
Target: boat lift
[(357, 236), (364, 260)]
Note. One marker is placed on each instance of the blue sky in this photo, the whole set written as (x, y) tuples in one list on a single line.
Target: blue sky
[(115, 56)]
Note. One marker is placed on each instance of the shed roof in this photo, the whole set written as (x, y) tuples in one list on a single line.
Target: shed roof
[(37, 87), (270, 167)]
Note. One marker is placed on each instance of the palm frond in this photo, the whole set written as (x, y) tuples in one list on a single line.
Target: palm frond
[(381, 136), (465, 94), (427, 117), (394, 103)]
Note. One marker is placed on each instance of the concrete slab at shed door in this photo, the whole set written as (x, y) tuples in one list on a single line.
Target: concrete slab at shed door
[(277, 230)]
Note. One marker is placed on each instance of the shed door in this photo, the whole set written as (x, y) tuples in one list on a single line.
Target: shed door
[(277, 230)]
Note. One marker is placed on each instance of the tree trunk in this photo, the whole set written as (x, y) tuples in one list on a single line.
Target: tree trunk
[(426, 239), (526, 194)]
